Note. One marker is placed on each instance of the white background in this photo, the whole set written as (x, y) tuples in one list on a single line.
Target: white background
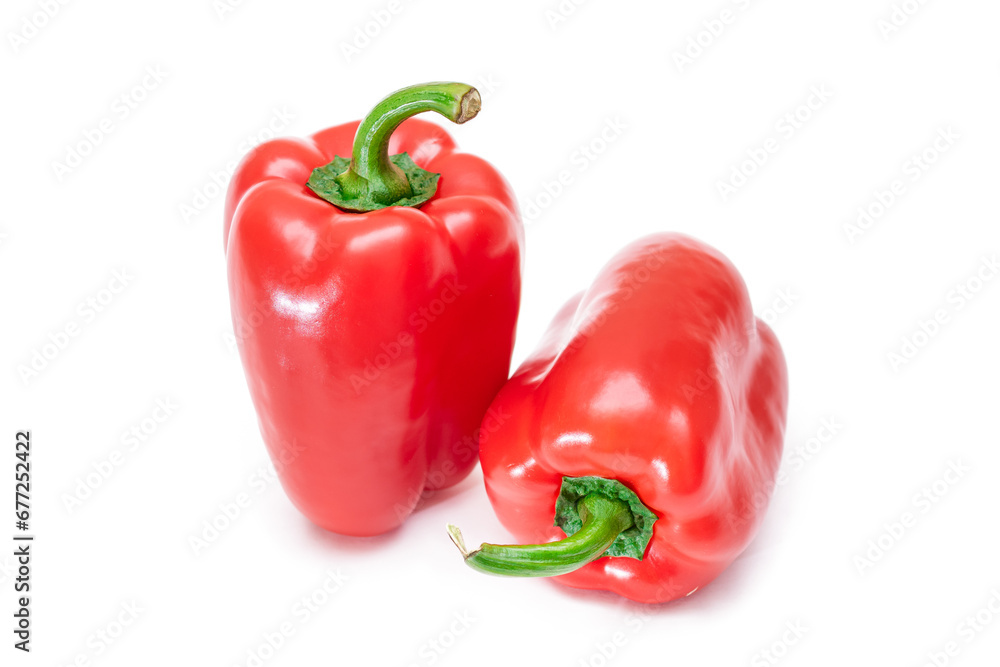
[(550, 87)]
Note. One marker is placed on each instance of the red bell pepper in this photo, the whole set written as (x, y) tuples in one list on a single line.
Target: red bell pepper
[(374, 305), (647, 428)]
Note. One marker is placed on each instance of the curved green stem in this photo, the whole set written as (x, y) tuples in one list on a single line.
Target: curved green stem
[(375, 180), (603, 518)]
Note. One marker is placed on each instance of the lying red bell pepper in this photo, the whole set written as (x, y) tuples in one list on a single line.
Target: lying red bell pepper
[(374, 305), (647, 428)]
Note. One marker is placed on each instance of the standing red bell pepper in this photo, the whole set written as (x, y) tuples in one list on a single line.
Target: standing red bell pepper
[(374, 305), (647, 426)]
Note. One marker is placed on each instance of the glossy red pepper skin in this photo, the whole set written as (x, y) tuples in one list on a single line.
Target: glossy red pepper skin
[(660, 377), (372, 342)]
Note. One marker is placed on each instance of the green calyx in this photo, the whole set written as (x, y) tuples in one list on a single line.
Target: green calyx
[(601, 517), (372, 179), (632, 541), (323, 181)]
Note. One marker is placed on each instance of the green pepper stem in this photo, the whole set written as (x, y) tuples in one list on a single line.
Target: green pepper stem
[(603, 519), (371, 172)]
